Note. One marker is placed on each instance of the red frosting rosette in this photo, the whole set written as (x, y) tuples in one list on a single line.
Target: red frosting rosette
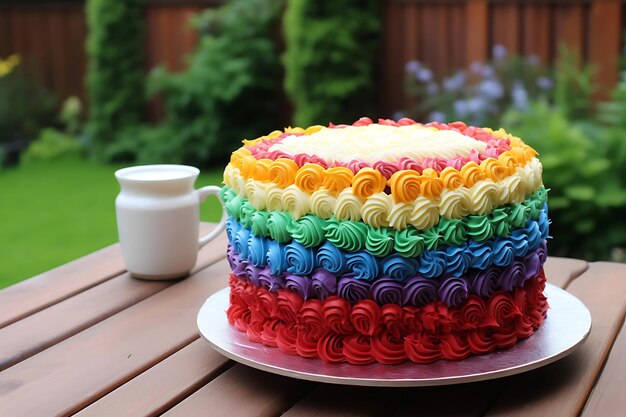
[(388, 349), (336, 311), (365, 317), (357, 349), (330, 348), (336, 331)]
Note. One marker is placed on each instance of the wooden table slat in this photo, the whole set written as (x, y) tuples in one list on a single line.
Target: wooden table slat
[(44, 290), (243, 391), (333, 400), (46, 327), (562, 388), (608, 397), (561, 271), (468, 400), (70, 375), (162, 386), (49, 288)]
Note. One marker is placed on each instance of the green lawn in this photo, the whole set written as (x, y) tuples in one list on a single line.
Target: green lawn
[(55, 212)]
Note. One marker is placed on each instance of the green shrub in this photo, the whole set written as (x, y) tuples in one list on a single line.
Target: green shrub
[(54, 144), (583, 153), (573, 86), (230, 90), (115, 77), (25, 104), (330, 59), (51, 145), (588, 193), (611, 116)]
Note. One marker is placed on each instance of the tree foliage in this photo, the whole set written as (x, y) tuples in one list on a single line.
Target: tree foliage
[(115, 77), (330, 59)]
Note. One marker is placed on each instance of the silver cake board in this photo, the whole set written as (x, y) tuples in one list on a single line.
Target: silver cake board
[(566, 327)]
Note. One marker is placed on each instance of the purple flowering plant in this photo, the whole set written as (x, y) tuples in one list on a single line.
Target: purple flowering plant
[(480, 94)]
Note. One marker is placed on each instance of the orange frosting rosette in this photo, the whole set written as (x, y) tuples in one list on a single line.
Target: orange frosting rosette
[(310, 178), (494, 169), (471, 174), (430, 184), (337, 178), (262, 169), (247, 166), (368, 182), (509, 161), (403, 185), (282, 172), (451, 178)]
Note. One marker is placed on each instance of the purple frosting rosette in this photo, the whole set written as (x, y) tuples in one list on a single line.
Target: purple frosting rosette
[(484, 282), (352, 289), (324, 283), (254, 272), (513, 276), (386, 290), (414, 290), (270, 281), (453, 291), (419, 291), (230, 256), (299, 284)]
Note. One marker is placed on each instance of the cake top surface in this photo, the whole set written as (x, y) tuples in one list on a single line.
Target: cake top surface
[(377, 142), (343, 170)]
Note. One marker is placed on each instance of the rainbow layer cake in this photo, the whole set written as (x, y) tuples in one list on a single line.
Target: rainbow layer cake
[(386, 242)]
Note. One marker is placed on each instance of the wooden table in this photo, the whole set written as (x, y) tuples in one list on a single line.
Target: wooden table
[(87, 338)]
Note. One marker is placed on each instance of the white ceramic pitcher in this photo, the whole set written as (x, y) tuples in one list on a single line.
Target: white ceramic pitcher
[(158, 219)]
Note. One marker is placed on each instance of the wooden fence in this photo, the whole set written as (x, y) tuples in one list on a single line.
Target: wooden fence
[(51, 37), (448, 35), (444, 34)]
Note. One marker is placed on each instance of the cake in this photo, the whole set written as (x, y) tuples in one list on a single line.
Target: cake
[(386, 242)]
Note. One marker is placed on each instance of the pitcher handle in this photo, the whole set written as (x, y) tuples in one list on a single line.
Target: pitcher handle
[(203, 193)]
